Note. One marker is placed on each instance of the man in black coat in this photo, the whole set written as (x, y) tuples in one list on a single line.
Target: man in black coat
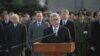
[(16, 36), (65, 21), (1, 39), (96, 36), (56, 33), (6, 22)]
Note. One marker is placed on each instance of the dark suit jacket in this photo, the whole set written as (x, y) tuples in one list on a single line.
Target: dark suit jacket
[(1, 33), (70, 26), (5, 33), (6, 25), (1, 37), (16, 35), (63, 36), (96, 36)]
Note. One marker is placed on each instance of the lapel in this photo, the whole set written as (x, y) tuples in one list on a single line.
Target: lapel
[(51, 30), (17, 27), (61, 22), (59, 31), (98, 23), (35, 25), (66, 23), (42, 24)]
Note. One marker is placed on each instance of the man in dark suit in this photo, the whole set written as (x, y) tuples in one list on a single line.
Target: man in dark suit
[(16, 36), (36, 29), (96, 36), (68, 24), (57, 33), (6, 22), (1, 39)]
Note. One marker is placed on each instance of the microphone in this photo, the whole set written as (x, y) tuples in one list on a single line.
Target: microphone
[(31, 41)]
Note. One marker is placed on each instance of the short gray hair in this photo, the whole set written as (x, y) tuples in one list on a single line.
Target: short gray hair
[(65, 10), (54, 14), (15, 16)]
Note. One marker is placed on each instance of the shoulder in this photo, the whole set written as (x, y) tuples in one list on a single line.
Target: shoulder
[(21, 25), (70, 22), (48, 29), (32, 23), (93, 23), (63, 28), (45, 22), (1, 25)]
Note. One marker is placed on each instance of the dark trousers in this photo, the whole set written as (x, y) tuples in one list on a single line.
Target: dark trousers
[(81, 49), (15, 52), (27, 52)]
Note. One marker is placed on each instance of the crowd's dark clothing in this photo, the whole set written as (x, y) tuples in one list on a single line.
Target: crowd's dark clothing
[(36, 32), (1, 39), (16, 36), (81, 31), (1, 33), (96, 37), (26, 23), (5, 39), (5, 27), (63, 36), (81, 36), (70, 26)]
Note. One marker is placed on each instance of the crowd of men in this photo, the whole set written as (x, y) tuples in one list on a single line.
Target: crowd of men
[(18, 32)]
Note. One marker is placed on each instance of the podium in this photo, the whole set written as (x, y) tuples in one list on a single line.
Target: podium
[(54, 49)]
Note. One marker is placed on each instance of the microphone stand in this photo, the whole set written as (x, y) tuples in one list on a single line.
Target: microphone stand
[(31, 41)]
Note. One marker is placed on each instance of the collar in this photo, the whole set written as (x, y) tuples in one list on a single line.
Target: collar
[(65, 21), (39, 22), (6, 21), (15, 24), (56, 28)]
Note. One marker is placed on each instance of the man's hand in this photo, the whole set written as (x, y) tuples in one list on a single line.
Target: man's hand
[(92, 48)]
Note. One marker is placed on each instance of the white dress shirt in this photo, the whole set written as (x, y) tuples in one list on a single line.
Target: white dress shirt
[(64, 21), (15, 25), (55, 30), (39, 23)]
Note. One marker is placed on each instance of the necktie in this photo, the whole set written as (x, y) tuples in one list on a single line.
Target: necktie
[(64, 23), (55, 31), (15, 26), (39, 24)]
